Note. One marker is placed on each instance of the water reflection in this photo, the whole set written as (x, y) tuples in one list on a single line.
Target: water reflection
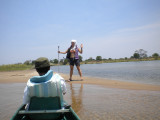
[(76, 97), (92, 102)]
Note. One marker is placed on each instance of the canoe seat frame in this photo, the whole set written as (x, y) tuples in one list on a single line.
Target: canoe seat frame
[(43, 111)]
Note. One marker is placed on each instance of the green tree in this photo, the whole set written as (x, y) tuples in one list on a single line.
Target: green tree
[(65, 62), (80, 58), (61, 61), (109, 58), (51, 61), (155, 55), (27, 62), (142, 53), (104, 59), (33, 62), (136, 55), (55, 61), (90, 59), (98, 58)]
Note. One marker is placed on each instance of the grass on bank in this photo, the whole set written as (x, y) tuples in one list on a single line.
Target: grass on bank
[(14, 67), (118, 60)]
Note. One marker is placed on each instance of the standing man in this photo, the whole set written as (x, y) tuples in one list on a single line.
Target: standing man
[(74, 58)]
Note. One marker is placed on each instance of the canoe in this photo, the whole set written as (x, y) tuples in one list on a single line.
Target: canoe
[(45, 108)]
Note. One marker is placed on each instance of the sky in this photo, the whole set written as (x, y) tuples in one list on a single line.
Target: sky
[(109, 28)]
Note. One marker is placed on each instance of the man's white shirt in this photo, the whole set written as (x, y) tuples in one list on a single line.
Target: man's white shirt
[(48, 85)]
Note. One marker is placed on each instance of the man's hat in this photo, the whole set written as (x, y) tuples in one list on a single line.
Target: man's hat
[(42, 62)]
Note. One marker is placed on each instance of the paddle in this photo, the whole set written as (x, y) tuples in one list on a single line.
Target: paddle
[(58, 59)]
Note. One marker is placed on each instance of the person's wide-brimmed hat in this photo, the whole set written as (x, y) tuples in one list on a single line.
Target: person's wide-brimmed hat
[(42, 62), (73, 41)]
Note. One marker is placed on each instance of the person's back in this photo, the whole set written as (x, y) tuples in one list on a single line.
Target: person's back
[(45, 85)]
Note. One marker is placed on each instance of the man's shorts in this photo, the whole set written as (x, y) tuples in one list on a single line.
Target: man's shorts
[(74, 61)]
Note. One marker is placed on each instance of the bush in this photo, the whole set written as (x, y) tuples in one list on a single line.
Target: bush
[(98, 58), (155, 55)]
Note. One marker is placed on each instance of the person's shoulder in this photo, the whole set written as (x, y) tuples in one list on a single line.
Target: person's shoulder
[(70, 47), (57, 76), (29, 83)]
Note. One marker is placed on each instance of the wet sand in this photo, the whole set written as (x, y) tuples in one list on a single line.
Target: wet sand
[(92, 99), (17, 76), (23, 76)]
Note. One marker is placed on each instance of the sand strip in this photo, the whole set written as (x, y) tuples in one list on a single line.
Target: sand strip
[(23, 76)]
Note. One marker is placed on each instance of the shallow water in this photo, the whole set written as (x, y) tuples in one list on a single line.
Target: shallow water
[(92, 102), (141, 72)]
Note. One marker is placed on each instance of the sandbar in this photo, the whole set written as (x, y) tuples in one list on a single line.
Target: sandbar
[(23, 77)]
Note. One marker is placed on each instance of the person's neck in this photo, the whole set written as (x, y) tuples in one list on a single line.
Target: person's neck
[(72, 46), (41, 74)]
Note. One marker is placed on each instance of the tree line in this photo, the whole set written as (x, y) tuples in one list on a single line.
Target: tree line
[(138, 55)]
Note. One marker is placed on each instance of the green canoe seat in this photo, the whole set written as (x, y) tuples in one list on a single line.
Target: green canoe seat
[(45, 108)]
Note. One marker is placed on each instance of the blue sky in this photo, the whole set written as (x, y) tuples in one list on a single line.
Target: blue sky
[(110, 28)]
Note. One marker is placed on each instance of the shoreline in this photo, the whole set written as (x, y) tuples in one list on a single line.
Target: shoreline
[(23, 76), (112, 83)]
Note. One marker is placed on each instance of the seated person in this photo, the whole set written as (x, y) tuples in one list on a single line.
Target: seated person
[(46, 84)]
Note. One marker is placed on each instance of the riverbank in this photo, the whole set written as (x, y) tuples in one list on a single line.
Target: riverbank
[(17, 67), (118, 60), (23, 76)]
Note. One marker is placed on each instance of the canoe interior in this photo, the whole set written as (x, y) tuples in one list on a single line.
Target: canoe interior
[(45, 109)]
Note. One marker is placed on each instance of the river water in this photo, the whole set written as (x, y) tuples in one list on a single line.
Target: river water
[(92, 102), (141, 72)]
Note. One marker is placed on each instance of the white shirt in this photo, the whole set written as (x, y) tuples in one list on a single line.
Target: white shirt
[(48, 85)]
